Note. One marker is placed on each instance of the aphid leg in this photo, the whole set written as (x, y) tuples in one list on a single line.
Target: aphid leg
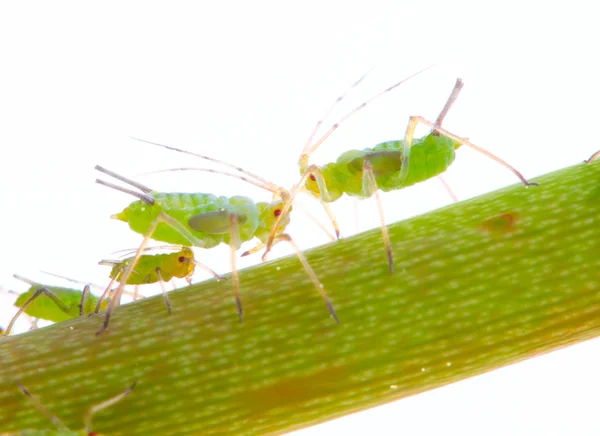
[(312, 171), (87, 419), (164, 291), (332, 219), (448, 188), (86, 292), (161, 218), (356, 215), (259, 247), (40, 407), (234, 245), (126, 275), (216, 275), (593, 157), (42, 291), (105, 294), (370, 188), (468, 143), (311, 273), (318, 223), (136, 292)]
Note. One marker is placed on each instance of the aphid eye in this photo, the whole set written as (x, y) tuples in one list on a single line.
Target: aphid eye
[(92, 433), (277, 212), (181, 259), (313, 178)]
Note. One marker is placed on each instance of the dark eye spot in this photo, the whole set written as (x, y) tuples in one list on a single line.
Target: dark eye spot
[(277, 212), (313, 178), (181, 259)]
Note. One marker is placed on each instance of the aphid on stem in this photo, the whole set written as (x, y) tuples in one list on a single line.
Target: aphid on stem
[(205, 220), (385, 166)]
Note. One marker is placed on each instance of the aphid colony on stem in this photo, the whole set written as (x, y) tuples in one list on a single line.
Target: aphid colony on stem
[(205, 220), (387, 166), (57, 304)]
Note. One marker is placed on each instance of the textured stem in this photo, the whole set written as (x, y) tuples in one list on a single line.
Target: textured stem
[(478, 285)]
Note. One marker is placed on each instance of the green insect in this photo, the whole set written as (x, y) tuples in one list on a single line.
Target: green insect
[(387, 166), (155, 268), (54, 303), (205, 220), (62, 429)]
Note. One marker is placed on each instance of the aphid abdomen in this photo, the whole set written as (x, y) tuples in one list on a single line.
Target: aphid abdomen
[(44, 308), (429, 157), (183, 206)]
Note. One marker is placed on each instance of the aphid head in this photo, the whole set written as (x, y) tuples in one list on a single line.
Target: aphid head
[(269, 214), (323, 180), (185, 262)]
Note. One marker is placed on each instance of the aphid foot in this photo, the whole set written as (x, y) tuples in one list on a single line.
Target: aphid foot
[(238, 303), (332, 310)]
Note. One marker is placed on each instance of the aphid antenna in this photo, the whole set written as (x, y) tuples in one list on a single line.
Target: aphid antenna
[(25, 279), (79, 282), (334, 104), (310, 147), (271, 187), (128, 251), (212, 159)]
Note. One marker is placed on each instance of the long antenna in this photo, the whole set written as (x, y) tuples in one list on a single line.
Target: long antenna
[(225, 173), (212, 159), (310, 148)]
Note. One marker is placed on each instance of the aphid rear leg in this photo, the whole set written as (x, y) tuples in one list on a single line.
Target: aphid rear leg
[(309, 271), (448, 188), (127, 273), (468, 143), (43, 410), (259, 247), (593, 157), (234, 244), (87, 419), (86, 292), (370, 188), (42, 291), (105, 294), (164, 291)]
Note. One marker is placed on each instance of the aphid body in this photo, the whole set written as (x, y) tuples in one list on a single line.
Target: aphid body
[(154, 268), (45, 308), (429, 157), (206, 216)]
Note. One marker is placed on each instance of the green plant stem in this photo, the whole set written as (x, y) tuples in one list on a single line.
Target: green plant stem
[(478, 285)]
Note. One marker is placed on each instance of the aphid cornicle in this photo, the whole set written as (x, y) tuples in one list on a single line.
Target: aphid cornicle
[(387, 166), (54, 303), (61, 428), (205, 220)]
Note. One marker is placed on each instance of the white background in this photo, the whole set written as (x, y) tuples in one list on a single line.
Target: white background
[(246, 81)]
